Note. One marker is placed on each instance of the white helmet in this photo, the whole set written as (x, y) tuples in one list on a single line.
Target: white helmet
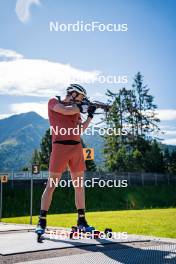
[(76, 88)]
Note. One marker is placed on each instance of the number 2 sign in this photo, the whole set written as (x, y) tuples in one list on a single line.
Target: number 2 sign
[(88, 153)]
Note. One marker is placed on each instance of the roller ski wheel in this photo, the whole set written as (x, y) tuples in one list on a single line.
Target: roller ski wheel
[(108, 232), (74, 230)]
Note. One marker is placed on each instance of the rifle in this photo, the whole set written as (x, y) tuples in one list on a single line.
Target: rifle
[(86, 101), (97, 104)]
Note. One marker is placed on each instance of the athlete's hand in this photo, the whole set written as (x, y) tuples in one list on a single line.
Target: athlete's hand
[(83, 108), (91, 110)]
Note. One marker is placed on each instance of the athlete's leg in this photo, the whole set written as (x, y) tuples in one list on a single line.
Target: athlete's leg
[(53, 179), (46, 200), (80, 198), (77, 168), (79, 189), (57, 164)]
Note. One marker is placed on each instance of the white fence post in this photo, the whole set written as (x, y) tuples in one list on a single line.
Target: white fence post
[(31, 201)]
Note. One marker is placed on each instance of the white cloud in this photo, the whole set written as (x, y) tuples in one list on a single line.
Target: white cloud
[(2, 116), (166, 114), (40, 108), (171, 141), (6, 54), (22, 9), (98, 95), (39, 77), (170, 132)]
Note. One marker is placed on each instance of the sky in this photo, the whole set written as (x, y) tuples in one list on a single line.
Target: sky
[(37, 64)]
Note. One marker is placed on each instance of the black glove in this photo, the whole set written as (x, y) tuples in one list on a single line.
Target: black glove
[(83, 108), (91, 111)]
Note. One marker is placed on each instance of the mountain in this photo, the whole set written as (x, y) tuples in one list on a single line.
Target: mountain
[(169, 147), (19, 136)]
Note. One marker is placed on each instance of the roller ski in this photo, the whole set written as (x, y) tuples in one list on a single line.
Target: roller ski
[(40, 229), (89, 232), (84, 230)]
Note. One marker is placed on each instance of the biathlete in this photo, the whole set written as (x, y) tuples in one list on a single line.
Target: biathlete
[(67, 150)]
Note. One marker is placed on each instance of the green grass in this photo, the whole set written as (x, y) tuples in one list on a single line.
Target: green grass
[(155, 222)]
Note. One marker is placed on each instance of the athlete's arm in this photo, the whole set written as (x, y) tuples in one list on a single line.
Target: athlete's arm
[(65, 110), (91, 111)]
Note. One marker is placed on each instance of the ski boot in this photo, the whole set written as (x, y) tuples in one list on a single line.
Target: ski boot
[(40, 229), (82, 227)]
